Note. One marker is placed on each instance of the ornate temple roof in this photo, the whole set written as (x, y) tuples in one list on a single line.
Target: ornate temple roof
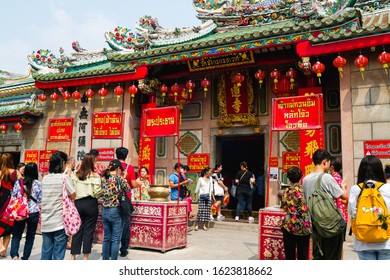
[(228, 26)]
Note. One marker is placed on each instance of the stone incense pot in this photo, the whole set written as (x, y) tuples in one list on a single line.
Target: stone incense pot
[(159, 192)]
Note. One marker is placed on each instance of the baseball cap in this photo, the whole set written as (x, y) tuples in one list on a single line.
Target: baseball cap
[(115, 164)]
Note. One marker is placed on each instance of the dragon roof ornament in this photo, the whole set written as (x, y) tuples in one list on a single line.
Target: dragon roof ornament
[(148, 34), (44, 61), (228, 13)]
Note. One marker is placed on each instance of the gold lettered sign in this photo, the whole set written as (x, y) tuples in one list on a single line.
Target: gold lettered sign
[(221, 61)]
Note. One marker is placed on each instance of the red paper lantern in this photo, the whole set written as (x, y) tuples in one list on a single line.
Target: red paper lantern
[(42, 98), (339, 62), (260, 76), (66, 96), (292, 74), (133, 91), (18, 127), (190, 85), (175, 89), (118, 91), (384, 59), (275, 74), (163, 89), (205, 84), (318, 68), (361, 61), (239, 79), (89, 93), (76, 96), (102, 93), (3, 128), (54, 97)]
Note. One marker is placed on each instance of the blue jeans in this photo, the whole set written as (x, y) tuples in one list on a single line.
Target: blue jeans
[(32, 223), (374, 255), (125, 240), (112, 226), (244, 197), (54, 245)]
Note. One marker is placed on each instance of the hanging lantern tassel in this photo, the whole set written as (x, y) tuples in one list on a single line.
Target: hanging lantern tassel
[(339, 62), (163, 90), (205, 85), (361, 61), (133, 91), (384, 59), (175, 88), (318, 68), (18, 127)]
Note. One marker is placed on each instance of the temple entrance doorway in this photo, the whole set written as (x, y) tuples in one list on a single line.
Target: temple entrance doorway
[(233, 149)]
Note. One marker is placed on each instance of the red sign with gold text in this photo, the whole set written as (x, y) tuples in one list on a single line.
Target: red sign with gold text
[(297, 113), (60, 130), (147, 149), (107, 125), (236, 97), (159, 122), (273, 162), (290, 159), (31, 156), (44, 158), (197, 162), (106, 154), (312, 139), (378, 148)]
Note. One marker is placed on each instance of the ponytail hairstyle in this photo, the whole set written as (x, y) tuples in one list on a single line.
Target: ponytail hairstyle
[(30, 174)]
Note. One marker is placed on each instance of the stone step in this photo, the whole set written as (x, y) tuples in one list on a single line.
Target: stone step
[(231, 224)]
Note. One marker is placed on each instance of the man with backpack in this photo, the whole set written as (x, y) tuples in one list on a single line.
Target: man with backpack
[(327, 242)]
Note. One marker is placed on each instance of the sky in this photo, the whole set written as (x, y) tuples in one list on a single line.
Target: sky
[(27, 26)]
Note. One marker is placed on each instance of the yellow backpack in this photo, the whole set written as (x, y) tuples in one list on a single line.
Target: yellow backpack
[(370, 224)]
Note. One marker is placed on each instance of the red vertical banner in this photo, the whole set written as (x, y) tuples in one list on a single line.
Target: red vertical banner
[(311, 140), (147, 148)]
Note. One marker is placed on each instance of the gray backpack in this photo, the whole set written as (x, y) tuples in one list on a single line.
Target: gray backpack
[(325, 215)]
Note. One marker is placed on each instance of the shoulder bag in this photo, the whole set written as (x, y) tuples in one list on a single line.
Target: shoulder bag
[(70, 215), (17, 208)]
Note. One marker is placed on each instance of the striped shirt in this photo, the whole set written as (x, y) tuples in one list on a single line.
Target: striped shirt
[(51, 213)]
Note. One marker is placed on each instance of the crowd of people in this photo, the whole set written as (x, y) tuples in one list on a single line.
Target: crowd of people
[(84, 184)]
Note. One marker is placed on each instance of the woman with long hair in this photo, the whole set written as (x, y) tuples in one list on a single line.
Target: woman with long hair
[(8, 176), (204, 188), (33, 190), (369, 173), (54, 237), (88, 189), (112, 184)]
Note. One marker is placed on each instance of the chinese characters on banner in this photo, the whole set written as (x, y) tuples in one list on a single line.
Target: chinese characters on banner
[(197, 162), (83, 134), (311, 139), (236, 97), (107, 125), (147, 149)]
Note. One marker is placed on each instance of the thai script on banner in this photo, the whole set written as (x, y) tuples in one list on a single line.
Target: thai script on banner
[(159, 122), (197, 162), (107, 125), (378, 148), (234, 59), (290, 159), (60, 130)]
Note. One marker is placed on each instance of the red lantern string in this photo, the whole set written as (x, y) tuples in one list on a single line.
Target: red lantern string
[(361, 61), (205, 84), (339, 62), (118, 91), (18, 127), (3, 128), (163, 89), (384, 59), (318, 68), (54, 97), (102, 93), (260, 76), (42, 98), (133, 91), (76, 96)]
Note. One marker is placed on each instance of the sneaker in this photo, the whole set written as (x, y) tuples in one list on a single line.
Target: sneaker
[(251, 220), (220, 218), (211, 218), (236, 218)]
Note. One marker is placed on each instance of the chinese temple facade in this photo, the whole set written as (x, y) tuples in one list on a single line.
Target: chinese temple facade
[(224, 75)]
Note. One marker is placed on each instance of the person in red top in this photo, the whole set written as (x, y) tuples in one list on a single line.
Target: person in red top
[(129, 173)]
